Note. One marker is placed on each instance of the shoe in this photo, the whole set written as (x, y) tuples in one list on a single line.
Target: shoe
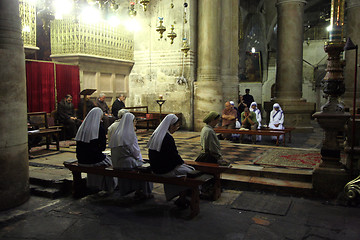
[(220, 137)]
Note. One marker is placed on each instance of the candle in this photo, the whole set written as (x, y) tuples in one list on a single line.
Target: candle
[(160, 97)]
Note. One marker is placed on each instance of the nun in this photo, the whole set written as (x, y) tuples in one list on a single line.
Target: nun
[(254, 108), (90, 144), (165, 159), (276, 119), (115, 124), (125, 154)]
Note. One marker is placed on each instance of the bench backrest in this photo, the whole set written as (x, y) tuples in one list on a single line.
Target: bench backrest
[(38, 119)]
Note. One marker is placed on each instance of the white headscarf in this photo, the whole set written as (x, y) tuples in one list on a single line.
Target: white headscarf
[(89, 129), (121, 112), (276, 105), (124, 134), (252, 104), (158, 135)]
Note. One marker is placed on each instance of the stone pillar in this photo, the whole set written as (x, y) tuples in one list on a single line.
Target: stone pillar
[(208, 88), (289, 64), (14, 174), (353, 31), (229, 50)]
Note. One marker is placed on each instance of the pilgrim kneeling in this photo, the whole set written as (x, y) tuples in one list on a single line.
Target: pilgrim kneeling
[(125, 154), (166, 161)]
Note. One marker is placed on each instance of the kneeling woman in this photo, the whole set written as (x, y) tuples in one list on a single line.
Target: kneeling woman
[(90, 142), (165, 159), (125, 154)]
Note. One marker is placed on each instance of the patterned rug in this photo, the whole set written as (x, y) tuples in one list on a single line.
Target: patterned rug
[(62, 144), (292, 158)]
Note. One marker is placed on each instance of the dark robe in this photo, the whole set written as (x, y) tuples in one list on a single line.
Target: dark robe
[(89, 105), (248, 99), (65, 110), (168, 157), (91, 153), (117, 105), (103, 106)]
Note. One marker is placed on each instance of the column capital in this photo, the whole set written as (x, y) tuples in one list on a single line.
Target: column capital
[(290, 1), (352, 3)]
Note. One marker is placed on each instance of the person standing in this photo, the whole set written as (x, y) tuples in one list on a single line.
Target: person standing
[(276, 119), (66, 116), (248, 99), (125, 154), (118, 104)]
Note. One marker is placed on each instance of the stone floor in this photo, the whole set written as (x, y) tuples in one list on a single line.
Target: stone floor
[(102, 216)]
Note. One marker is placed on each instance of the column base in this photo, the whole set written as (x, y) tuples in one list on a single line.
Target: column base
[(330, 182)]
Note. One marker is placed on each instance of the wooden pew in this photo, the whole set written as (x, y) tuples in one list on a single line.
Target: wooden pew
[(139, 174), (40, 119), (214, 169), (143, 116)]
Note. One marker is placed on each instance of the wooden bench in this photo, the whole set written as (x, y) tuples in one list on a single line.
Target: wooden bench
[(139, 174), (266, 132), (144, 116), (215, 170), (40, 120)]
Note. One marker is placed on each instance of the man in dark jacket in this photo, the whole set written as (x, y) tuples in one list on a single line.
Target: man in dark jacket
[(66, 116), (118, 105)]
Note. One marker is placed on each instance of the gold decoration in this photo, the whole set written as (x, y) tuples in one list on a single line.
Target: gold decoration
[(352, 188), (102, 39), (27, 12), (185, 48), (144, 3), (132, 11), (172, 34), (161, 28)]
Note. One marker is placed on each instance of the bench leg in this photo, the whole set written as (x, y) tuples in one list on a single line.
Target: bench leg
[(194, 203), (77, 186), (277, 140), (48, 141), (57, 141), (217, 186)]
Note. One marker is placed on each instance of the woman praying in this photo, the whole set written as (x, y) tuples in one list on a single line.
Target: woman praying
[(165, 159), (254, 108), (125, 154), (90, 142)]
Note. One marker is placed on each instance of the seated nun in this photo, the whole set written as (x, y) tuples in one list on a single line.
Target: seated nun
[(125, 154), (276, 119), (90, 143), (165, 159), (115, 124)]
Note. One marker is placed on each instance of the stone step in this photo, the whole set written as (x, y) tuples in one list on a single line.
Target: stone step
[(272, 173), (252, 183), (41, 191)]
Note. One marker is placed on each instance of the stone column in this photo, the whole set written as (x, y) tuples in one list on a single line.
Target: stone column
[(208, 88), (229, 49), (289, 64), (14, 174), (353, 31)]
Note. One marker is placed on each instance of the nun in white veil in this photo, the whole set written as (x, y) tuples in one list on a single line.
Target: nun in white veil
[(276, 119), (125, 154), (115, 124), (165, 159), (90, 143), (254, 108)]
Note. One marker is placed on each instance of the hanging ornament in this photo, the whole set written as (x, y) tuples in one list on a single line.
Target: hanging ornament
[(144, 3), (132, 11), (172, 34), (185, 7), (185, 47), (161, 28)]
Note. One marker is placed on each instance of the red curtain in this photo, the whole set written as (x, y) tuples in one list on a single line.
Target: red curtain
[(68, 82), (40, 86)]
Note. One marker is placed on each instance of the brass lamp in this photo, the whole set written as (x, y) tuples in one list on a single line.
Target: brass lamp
[(185, 48), (144, 3), (172, 34), (161, 28)]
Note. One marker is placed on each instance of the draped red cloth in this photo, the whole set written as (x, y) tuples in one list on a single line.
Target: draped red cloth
[(67, 82), (40, 86)]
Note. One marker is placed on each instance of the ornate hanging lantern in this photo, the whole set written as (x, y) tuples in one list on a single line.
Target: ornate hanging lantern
[(172, 34), (144, 3), (161, 28), (132, 11), (185, 48)]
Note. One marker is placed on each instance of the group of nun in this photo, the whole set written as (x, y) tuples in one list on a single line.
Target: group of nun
[(276, 118), (125, 154)]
